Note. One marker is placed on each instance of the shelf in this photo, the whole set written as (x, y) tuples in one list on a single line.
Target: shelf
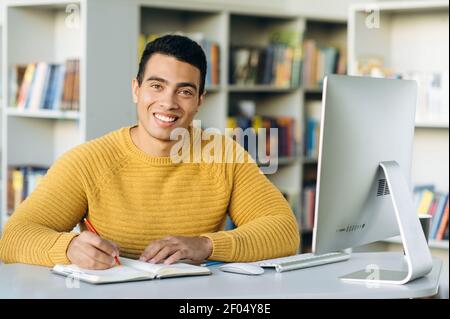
[(404, 7), (317, 90), (45, 4), (403, 27), (283, 161), (308, 160), (287, 160), (44, 114), (260, 88), (436, 125), (213, 88), (437, 244)]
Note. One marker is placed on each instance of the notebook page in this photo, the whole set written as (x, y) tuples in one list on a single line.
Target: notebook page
[(114, 274), (161, 269)]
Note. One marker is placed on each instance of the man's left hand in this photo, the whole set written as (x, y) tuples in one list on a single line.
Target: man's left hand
[(173, 248)]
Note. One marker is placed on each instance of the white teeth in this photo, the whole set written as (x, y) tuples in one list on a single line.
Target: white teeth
[(165, 118)]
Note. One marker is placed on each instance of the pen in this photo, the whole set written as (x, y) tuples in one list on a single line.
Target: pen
[(92, 229), (211, 263)]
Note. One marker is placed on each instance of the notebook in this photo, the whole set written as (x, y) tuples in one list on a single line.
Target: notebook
[(130, 270)]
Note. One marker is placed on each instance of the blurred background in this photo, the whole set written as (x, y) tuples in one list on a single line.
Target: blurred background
[(66, 68)]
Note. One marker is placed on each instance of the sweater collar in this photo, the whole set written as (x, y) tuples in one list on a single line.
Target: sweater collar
[(136, 152)]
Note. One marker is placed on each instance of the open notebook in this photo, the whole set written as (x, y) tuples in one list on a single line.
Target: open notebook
[(130, 270)]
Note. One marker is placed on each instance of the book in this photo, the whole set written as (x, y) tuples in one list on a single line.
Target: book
[(22, 180), (25, 86), (425, 202), (37, 88), (43, 85), (443, 225), (130, 270), (15, 81), (437, 216)]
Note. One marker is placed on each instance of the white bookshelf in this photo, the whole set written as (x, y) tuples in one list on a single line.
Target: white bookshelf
[(107, 43), (1, 103), (326, 33), (435, 125), (412, 36), (53, 31), (433, 244), (44, 114)]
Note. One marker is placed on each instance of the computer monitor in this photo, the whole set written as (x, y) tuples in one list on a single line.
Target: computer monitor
[(364, 193)]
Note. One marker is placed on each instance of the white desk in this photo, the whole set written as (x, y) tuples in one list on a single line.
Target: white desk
[(25, 281)]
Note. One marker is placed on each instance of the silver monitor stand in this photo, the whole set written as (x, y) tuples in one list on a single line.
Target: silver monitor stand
[(417, 254)]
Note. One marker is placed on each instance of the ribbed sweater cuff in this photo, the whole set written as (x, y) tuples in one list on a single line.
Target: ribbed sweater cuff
[(222, 246), (58, 253)]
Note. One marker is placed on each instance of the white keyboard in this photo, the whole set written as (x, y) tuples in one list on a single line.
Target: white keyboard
[(302, 261)]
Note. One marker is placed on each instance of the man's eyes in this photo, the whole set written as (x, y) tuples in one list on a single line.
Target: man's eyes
[(184, 92), (156, 86)]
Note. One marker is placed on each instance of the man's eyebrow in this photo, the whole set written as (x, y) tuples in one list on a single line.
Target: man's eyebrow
[(189, 84), (181, 84), (156, 78)]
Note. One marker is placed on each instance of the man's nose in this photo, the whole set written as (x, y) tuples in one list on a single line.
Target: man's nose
[(168, 101)]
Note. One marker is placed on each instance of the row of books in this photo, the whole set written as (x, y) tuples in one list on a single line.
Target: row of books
[(319, 61), (313, 111), (433, 88), (434, 203), (22, 181), (45, 85), (308, 205), (211, 49), (288, 139), (276, 64), (427, 201), (433, 96)]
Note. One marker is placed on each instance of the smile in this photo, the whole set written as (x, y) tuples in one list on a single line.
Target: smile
[(165, 118)]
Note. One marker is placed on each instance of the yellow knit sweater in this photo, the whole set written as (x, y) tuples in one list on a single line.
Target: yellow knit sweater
[(132, 199)]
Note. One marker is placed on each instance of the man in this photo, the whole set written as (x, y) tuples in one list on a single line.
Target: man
[(142, 204)]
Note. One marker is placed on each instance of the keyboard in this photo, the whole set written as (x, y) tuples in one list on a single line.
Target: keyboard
[(302, 261)]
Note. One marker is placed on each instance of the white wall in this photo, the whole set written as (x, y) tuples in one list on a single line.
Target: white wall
[(327, 9), (430, 158)]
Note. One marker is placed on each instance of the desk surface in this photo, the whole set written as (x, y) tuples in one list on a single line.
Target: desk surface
[(26, 281)]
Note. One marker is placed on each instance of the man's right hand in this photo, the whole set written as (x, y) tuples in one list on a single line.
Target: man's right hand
[(89, 251)]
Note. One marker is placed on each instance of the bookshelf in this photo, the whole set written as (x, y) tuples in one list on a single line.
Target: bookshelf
[(106, 43), (419, 31), (325, 33), (433, 244), (52, 32), (1, 103), (255, 31), (44, 114)]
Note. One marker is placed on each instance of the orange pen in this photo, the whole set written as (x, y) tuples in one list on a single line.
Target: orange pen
[(92, 229)]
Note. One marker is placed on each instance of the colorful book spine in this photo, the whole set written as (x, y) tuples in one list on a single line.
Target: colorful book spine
[(285, 143), (46, 86), (22, 181), (443, 225)]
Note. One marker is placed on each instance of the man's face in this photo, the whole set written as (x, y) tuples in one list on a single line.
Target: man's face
[(168, 96)]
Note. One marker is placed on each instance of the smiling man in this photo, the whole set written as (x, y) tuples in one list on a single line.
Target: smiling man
[(142, 204)]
